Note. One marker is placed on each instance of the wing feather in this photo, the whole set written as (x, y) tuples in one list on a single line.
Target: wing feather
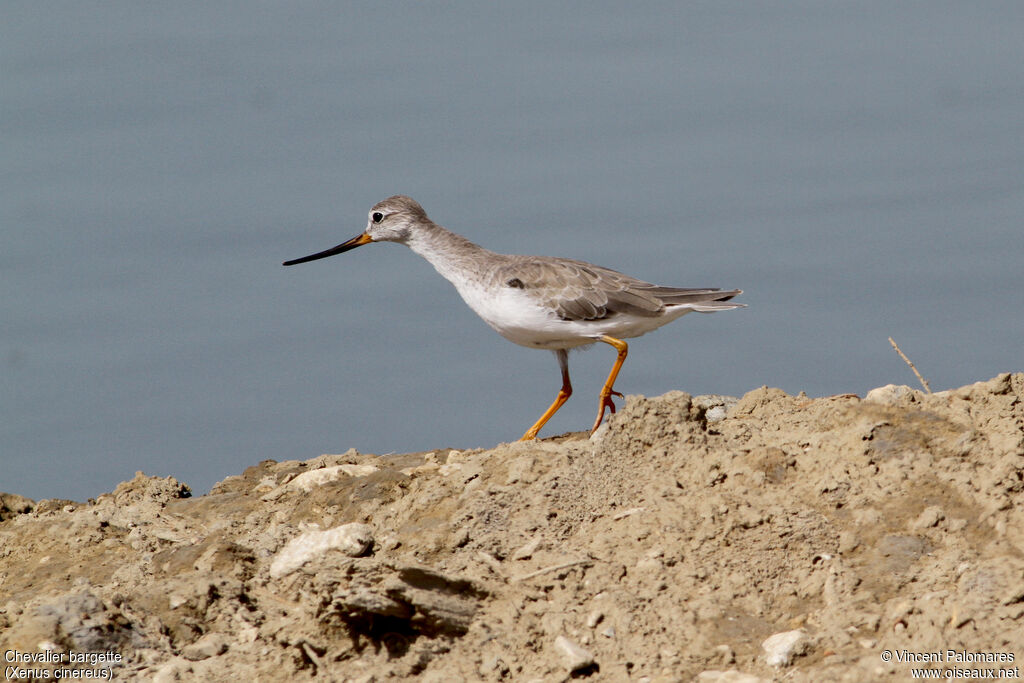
[(576, 290)]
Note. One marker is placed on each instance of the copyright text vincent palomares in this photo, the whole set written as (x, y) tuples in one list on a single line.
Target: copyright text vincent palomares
[(956, 664)]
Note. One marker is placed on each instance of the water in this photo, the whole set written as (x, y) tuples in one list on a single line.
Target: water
[(855, 168)]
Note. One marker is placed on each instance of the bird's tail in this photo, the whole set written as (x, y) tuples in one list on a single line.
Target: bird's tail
[(702, 301)]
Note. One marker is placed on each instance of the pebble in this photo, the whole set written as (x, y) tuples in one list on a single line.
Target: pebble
[(716, 414), (351, 539), (175, 669), (782, 647), (210, 645), (627, 513), (848, 542), (725, 654), (527, 550), (930, 517), (573, 656), (891, 394)]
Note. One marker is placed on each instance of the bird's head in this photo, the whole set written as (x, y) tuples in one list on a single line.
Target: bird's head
[(392, 220)]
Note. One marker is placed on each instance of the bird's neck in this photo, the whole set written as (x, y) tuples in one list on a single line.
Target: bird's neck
[(453, 256)]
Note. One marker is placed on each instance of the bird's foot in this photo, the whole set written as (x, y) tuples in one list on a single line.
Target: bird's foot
[(606, 402)]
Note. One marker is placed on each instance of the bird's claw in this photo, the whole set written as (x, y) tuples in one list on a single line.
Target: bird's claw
[(607, 400)]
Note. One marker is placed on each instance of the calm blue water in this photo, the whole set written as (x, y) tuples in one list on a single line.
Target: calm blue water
[(856, 168)]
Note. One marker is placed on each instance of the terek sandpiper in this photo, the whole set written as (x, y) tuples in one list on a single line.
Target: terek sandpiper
[(538, 301)]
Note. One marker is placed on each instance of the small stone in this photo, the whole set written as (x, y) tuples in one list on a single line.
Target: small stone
[(848, 542), (527, 550), (891, 394), (782, 647), (930, 517), (573, 656), (627, 513), (210, 645), (175, 669), (455, 457), (725, 654), (594, 618), (351, 539), (265, 484), (716, 414)]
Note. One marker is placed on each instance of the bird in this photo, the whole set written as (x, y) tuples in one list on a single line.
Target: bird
[(539, 302)]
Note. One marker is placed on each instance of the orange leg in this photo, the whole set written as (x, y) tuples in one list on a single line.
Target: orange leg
[(606, 391), (563, 395)]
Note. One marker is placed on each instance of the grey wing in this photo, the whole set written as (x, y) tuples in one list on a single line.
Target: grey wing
[(679, 295), (576, 290)]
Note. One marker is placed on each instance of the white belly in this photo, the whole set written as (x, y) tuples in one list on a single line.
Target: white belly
[(520, 319)]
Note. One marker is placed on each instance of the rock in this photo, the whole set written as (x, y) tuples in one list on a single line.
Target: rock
[(848, 542), (210, 645), (307, 481), (782, 647), (891, 394), (155, 489), (715, 407), (716, 414), (175, 669), (573, 656), (86, 622), (429, 601), (526, 551), (929, 517), (12, 504), (351, 539)]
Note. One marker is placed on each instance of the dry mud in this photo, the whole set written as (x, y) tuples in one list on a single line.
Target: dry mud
[(668, 547)]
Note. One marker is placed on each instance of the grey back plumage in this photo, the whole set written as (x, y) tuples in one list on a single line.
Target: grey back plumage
[(577, 290)]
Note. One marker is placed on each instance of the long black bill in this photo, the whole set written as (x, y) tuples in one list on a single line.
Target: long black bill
[(357, 241)]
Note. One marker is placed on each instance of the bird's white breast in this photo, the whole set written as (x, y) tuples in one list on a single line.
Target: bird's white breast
[(514, 315)]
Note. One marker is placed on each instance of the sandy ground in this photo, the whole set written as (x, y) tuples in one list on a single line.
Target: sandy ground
[(670, 546)]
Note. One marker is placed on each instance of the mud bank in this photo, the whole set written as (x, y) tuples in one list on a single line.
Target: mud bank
[(770, 537)]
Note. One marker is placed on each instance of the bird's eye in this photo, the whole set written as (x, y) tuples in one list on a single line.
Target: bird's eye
[(377, 217)]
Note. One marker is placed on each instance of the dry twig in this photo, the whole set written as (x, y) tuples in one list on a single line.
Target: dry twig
[(546, 570), (923, 381)]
